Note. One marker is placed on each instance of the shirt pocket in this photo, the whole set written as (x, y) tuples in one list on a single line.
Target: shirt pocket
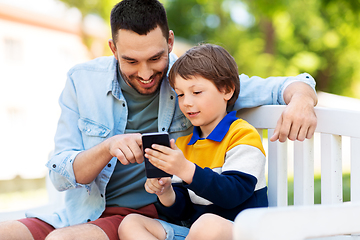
[(179, 123), (93, 133), (180, 126)]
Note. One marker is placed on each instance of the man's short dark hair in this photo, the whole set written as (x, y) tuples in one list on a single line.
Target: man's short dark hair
[(211, 62), (140, 16)]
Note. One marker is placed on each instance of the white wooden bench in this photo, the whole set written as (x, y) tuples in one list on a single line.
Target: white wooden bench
[(332, 219), (304, 219)]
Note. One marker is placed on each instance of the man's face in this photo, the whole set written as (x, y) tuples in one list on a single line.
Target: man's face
[(143, 59)]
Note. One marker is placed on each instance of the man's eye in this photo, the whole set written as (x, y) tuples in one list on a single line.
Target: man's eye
[(155, 58), (130, 61)]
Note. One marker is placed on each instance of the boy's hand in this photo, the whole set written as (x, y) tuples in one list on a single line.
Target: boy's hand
[(171, 160), (158, 186), (162, 188)]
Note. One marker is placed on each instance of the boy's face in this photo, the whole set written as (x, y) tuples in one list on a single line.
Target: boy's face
[(143, 59), (201, 102)]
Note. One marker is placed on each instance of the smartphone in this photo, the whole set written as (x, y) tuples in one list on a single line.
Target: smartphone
[(154, 138)]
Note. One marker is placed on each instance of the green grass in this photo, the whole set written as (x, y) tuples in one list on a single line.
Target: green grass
[(317, 189), (13, 201), (21, 194)]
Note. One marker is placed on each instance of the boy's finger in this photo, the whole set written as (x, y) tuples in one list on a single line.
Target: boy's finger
[(152, 187), (173, 144), (160, 149), (164, 180)]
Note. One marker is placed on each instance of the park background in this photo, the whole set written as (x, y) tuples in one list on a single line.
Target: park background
[(41, 39)]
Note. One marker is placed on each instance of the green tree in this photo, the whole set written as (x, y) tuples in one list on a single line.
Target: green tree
[(277, 37), (315, 36), (101, 8)]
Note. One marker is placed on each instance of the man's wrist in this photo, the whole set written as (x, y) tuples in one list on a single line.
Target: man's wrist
[(304, 98), (300, 91)]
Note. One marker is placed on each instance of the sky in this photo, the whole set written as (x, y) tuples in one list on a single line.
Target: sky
[(47, 7), (22, 113)]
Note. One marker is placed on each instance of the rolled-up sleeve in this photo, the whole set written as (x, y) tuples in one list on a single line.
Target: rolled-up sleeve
[(68, 141), (257, 91)]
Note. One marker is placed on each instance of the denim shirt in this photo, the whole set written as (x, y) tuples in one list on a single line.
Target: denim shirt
[(94, 109)]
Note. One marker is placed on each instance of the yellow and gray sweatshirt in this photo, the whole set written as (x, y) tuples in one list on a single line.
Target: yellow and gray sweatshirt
[(229, 175)]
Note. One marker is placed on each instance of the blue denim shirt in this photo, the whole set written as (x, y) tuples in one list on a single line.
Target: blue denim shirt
[(94, 109)]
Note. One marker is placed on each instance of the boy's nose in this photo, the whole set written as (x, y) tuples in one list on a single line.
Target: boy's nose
[(187, 101)]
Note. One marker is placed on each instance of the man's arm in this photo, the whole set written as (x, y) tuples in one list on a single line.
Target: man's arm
[(298, 121), (76, 163), (89, 163)]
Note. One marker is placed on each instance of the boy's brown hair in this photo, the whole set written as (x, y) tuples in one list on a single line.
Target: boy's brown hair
[(211, 62)]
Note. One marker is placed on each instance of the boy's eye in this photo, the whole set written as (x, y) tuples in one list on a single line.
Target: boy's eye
[(198, 92), (180, 95)]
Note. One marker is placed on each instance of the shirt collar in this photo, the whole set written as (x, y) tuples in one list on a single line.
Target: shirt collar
[(113, 82), (219, 131)]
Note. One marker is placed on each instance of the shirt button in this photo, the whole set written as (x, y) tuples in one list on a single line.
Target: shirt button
[(183, 125), (123, 104), (163, 129), (101, 195), (109, 165), (171, 97), (307, 77), (89, 220), (54, 165)]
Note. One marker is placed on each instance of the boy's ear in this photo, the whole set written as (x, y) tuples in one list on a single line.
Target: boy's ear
[(228, 93)]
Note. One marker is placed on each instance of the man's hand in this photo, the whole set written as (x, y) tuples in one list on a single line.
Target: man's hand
[(127, 148), (298, 121)]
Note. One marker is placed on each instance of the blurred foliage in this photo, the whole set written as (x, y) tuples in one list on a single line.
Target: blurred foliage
[(271, 38), (101, 8), (317, 189)]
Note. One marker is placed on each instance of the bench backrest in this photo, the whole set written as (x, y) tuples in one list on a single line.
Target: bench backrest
[(335, 131)]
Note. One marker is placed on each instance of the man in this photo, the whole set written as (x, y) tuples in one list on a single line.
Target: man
[(108, 102)]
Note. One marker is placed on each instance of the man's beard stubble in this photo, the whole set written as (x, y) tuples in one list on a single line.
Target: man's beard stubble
[(128, 82)]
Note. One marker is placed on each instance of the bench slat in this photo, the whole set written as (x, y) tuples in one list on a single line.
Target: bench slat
[(355, 169), (277, 172), (304, 172), (331, 169)]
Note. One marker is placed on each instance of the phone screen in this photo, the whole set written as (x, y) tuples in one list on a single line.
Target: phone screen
[(147, 140)]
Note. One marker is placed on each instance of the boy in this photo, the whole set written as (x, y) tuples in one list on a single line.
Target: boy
[(219, 169)]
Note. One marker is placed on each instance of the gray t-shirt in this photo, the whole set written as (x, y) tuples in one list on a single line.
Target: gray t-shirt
[(126, 184)]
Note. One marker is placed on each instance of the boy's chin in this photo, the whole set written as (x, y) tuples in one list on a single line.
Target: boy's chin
[(195, 124)]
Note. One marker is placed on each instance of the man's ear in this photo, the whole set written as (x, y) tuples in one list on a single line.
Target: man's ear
[(171, 40), (113, 48)]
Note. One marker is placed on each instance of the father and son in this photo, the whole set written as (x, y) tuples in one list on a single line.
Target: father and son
[(218, 165)]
